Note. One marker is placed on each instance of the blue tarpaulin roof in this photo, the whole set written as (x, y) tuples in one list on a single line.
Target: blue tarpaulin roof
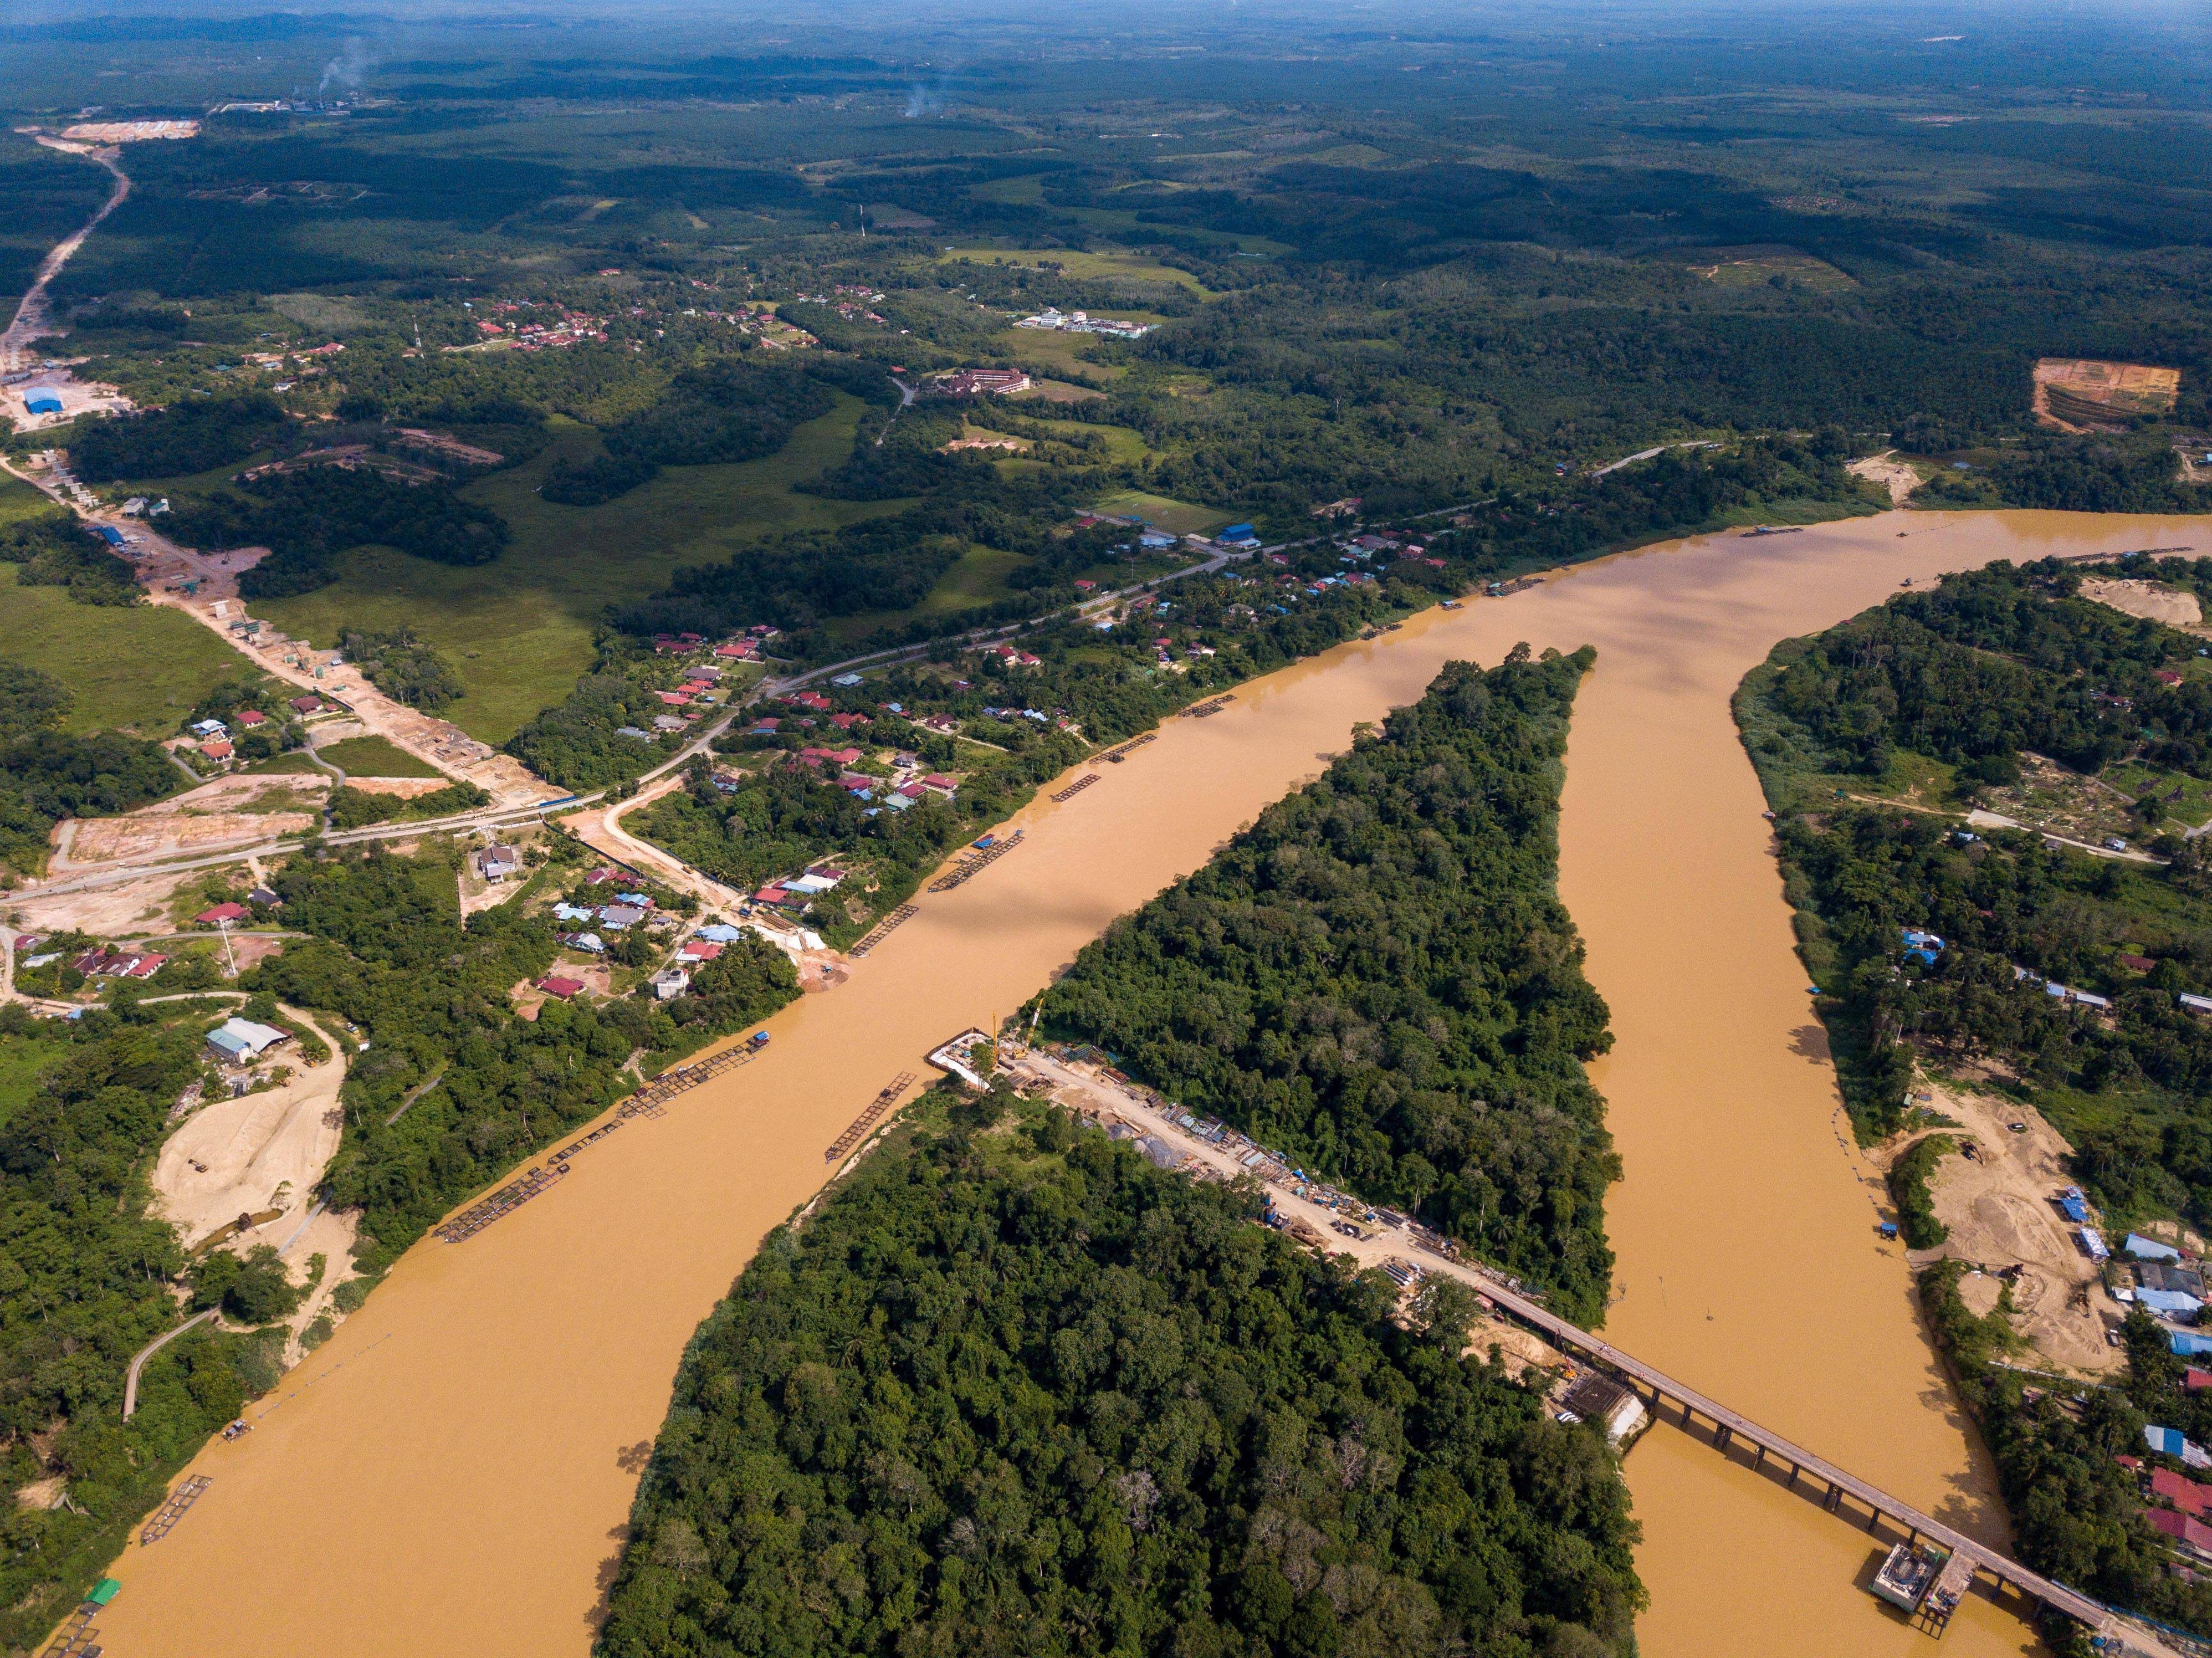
[(2189, 1346)]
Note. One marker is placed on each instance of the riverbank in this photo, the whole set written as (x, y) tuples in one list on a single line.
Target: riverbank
[(490, 1432)]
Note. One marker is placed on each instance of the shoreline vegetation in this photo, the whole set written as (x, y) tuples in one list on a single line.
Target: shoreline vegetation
[(1010, 1387), (1943, 951)]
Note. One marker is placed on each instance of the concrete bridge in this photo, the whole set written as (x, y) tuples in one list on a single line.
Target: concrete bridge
[(1840, 1492)]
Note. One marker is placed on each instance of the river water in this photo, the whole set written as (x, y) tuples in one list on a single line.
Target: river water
[(450, 1473)]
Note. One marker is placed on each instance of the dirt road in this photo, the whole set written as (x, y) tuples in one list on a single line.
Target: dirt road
[(32, 317)]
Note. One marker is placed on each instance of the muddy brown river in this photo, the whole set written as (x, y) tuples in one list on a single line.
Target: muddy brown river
[(450, 1474)]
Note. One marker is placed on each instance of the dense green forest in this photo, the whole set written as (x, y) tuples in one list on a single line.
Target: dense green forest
[(1012, 1390), (309, 518), (1378, 978), (724, 410), (85, 1281), (54, 550), (388, 951), (195, 436)]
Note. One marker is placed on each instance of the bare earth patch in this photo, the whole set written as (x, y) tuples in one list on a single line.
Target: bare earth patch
[(2081, 394), (1998, 1208), (2147, 599), (406, 788), (229, 809), (1887, 473), (265, 1151)]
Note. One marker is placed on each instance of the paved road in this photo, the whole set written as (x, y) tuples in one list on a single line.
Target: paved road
[(490, 818)]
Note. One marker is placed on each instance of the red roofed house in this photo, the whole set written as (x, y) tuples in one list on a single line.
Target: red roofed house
[(2165, 676), (674, 699), (2186, 1495), (770, 895), (940, 784), (217, 750), (2192, 1534), (847, 721), (699, 950), (222, 913), (2195, 1379), (813, 700), (1084, 586), (307, 704), (563, 988), (250, 718)]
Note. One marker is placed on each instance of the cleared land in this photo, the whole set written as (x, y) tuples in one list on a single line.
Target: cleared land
[(1180, 517), (518, 631), (228, 810), (266, 1151), (1135, 267), (979, 579), (1997, 1206), (2081, 394), (2150, 599), (136, 668), (1746, 267)]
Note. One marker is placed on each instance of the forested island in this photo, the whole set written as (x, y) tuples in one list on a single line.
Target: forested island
[(1011, 1388), (1378, 977)]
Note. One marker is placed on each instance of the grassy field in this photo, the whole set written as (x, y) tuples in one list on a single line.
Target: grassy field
[(21, 1059), (1074, 261), (137, 668), (1749, 267), (518, 631), (18, 499), (1063, 353), (1180, 517), (375, 756), (279, 764)]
